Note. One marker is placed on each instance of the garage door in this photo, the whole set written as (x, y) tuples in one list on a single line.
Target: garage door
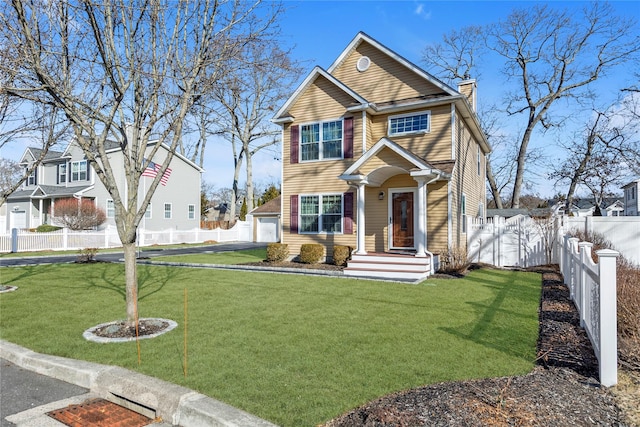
[(267, 230), (18, 219)]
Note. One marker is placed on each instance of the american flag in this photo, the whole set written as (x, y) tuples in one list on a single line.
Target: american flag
[(152, 170)]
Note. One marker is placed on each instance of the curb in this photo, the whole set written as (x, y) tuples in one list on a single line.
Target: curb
[(172, 403)]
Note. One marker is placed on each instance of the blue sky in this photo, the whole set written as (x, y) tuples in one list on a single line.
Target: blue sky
[(318, 31)]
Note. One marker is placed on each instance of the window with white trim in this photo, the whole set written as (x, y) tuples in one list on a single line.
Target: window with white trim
[(31, 179), (79, 171), (321, 213), (111, 209), (62, 173), (192, 212), (479, 167), (410, 123), (320, 141), (167, 211), (147, 213)]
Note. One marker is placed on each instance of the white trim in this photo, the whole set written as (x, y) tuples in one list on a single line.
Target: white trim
[(454, 131), (364, 131), (412, 114), (391, 192), (164, 213), (189, 212), (279, 117), (360, 37), (320, 196), (449, 215)]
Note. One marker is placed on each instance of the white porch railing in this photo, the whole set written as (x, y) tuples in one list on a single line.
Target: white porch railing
[(65, 239), (593, 290)]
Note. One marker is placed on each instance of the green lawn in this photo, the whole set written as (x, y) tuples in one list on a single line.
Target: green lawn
[(235, 257), (296, 350)]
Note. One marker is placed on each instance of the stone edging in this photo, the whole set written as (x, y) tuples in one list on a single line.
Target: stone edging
[(90, 335)]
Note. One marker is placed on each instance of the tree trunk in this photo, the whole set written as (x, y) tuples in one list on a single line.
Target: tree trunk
[(522, 155), (250, 204), (495, 191), (131, 281)]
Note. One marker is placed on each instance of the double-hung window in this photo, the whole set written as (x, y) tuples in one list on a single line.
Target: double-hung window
[(31, 179), (167, 211), (79, 170), (62, 173), (321, 214), (319, 141), (191, 211), (409, 123), (111, 209)]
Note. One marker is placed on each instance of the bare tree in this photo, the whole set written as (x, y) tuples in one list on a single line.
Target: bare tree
[(550, 55), (125, 72), (603, 154), (260, 81)]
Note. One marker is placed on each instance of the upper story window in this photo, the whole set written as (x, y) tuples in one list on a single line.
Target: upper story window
[(319, 141), (191, 211), (31, 179), (167, 211), (410, 123), (79, 171), (62, 173), (111, 209)]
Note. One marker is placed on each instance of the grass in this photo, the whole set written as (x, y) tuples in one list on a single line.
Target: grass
[(100, 251), (296, 350), (236, 257)]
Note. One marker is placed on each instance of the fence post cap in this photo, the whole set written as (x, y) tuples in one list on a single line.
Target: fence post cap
[(585, 244), (607, 253)]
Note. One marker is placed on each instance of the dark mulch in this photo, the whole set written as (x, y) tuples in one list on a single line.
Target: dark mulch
[(561, 390), (297, 265), (125, 330)]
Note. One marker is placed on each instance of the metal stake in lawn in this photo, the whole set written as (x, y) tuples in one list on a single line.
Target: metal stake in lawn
[(185, 332)]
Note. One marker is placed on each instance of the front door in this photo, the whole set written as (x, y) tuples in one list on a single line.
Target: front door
[(402, 220)]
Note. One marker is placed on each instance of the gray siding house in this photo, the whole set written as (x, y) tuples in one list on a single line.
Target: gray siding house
[(175, 204)]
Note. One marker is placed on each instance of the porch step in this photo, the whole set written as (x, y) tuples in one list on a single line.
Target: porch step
[(389, 266)]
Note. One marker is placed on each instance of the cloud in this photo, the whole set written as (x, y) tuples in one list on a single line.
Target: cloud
[(420, 11)]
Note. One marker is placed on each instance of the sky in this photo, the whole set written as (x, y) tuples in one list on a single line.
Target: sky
[(318, 31)]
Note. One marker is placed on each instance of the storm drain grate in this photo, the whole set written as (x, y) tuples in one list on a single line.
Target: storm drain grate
[(99, 413)]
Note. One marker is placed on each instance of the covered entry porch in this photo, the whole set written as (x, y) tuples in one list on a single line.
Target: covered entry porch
[(391, 213)]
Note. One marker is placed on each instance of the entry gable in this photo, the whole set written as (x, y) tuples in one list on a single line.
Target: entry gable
[(412, 164)]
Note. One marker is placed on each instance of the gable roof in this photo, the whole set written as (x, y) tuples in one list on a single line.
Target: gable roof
[(271, 207), (37, 152), (382, 174), (283, 116), (362, 37)]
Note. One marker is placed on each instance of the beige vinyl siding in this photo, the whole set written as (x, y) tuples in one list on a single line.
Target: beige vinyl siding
[(434, 145), (385, 80), (437, 217)]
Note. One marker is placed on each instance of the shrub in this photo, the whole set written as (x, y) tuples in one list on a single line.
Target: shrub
[(78, 214), (455, 260), (341, 254), (46, 228), (311, 253), (87, 255), (277, 252)]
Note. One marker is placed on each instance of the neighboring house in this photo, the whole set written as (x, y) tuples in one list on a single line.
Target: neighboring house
[(381, 156), (610, 206), (61, 175), (266, 221), (616, 208), (632, 198)]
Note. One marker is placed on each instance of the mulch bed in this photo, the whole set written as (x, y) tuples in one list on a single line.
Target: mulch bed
[(562, 389)]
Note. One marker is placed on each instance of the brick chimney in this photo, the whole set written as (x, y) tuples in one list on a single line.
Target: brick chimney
[(469, 88)]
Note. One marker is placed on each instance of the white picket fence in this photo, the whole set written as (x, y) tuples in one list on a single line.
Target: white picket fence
[(65, 239), (593, 290)]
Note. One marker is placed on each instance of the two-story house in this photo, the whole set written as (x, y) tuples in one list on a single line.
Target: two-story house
[(67, 174), (381, 156), (632, 198)]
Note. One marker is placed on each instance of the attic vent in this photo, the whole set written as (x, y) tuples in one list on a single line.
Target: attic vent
[(363, 64)]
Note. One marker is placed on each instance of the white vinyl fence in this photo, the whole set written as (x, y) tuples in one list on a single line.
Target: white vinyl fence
[(518, 241), (593, 290), (64, 239), (622, 231)]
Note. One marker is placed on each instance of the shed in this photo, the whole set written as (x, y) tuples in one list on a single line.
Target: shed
[(266, 221)]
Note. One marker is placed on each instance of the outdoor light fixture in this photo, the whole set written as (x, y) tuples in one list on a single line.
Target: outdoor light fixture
[(381, 195)]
